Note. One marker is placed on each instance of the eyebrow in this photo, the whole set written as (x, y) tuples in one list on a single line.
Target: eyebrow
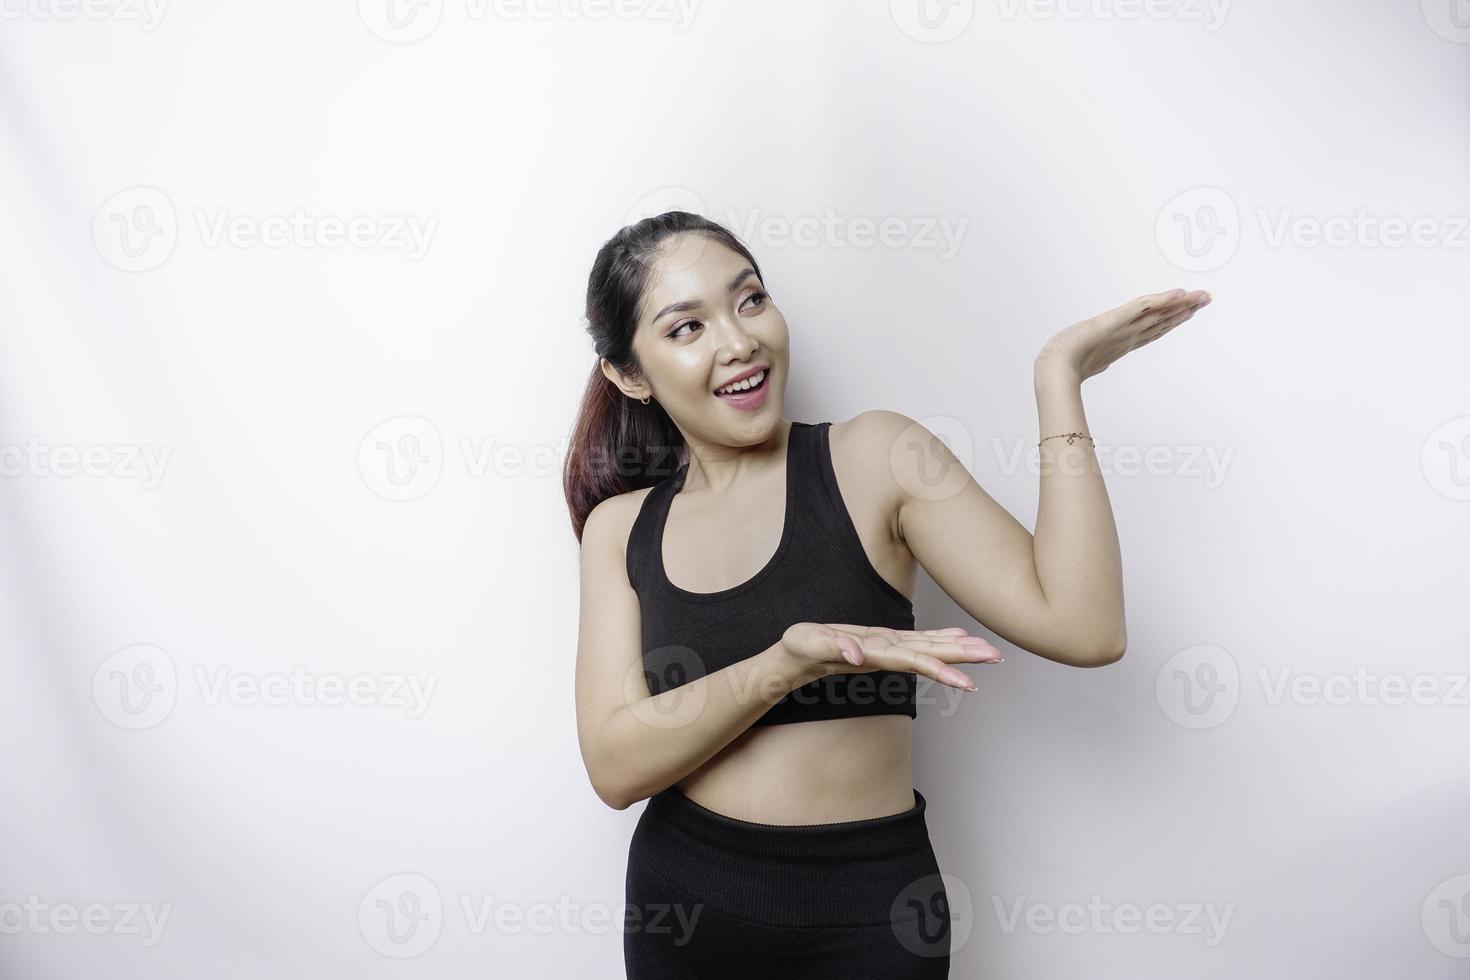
[(694, 304)]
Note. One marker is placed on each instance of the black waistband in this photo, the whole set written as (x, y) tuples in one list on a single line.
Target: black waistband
[(856, 872)]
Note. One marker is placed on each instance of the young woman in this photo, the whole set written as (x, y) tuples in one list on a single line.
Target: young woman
[(747, 658)]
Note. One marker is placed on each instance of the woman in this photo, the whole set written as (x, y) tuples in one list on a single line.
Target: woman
[(747, 658)]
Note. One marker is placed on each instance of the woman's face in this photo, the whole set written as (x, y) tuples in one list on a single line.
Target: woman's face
[(704, 321)]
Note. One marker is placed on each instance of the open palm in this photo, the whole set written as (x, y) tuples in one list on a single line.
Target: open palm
[(1090, 345), (847, 648)]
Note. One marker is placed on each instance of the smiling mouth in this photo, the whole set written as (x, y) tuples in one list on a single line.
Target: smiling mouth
[(764, 376)]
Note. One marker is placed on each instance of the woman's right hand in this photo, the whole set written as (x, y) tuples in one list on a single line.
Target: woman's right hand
[(820, 649)]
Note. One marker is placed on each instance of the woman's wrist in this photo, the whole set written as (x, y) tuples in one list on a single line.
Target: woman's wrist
[(795, 672), (1052, 370)]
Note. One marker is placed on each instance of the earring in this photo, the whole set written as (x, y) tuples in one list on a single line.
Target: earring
[(644, 399)]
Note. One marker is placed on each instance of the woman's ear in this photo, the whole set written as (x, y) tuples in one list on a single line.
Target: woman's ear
[(630, 386)]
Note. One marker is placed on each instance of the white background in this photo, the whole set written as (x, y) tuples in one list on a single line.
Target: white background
[(357, 460)]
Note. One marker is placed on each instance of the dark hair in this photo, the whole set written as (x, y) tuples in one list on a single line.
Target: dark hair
[(619, 444)]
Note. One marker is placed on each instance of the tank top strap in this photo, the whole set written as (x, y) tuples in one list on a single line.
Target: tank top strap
[(817, 518), (642, 534), (825, 511), (803, 468)]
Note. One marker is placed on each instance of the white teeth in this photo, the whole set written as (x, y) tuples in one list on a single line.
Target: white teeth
[(744, 385)]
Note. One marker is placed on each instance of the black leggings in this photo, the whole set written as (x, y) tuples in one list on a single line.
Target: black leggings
[(712, 897)]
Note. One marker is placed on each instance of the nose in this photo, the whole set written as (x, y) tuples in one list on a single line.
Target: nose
[(735, 342)]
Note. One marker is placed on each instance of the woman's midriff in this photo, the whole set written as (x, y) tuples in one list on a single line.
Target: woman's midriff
[(811, 772)]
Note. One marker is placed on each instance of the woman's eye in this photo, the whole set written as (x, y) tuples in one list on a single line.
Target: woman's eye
[(758, 296)]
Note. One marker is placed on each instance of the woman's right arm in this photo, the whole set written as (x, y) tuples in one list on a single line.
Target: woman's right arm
[(635, 744)]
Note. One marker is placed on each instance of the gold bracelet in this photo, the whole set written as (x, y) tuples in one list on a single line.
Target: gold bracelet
[(1069, 436)]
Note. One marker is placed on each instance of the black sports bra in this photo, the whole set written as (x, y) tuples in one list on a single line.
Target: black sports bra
[(819, 573)]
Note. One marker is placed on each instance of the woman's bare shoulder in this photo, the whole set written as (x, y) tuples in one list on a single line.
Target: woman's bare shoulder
[(872, 434), (612, 518), (863, 457)]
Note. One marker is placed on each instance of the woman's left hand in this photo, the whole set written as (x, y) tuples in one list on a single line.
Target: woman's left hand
[(1089, 346)]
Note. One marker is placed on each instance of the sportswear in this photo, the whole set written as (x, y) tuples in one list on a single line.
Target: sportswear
[(713, 897), (819, 573)]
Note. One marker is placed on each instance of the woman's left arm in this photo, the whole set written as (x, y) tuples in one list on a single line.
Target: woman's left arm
[(1059, 593)]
